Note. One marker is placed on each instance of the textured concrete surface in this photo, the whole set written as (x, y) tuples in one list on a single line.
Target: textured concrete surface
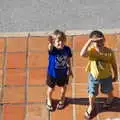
[(42, 15)]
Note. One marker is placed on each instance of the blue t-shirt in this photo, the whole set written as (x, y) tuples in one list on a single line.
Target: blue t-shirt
[(57, 66)]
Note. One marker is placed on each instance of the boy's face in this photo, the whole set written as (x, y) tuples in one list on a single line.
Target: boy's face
[(58, 43), (99, 43)]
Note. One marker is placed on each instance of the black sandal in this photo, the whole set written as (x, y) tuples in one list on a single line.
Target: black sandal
[(49, 107), (89, 115), (61, 104)]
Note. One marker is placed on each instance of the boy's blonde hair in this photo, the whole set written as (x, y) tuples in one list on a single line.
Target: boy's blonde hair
[(61, 35)]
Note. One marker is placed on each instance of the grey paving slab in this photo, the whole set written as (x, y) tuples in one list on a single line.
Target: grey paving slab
[(42, 15)]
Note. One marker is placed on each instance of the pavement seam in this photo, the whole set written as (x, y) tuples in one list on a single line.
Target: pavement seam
[(3, 77), (27, 78), (46, 33), (73, 86)]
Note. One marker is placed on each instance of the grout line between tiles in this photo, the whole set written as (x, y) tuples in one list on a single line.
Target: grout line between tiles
[(73, 85), (27, 78), (3, 78)]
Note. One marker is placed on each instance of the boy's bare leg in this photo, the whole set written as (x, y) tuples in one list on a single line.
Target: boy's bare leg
[(49, 95), (63, 92), (91, 103), (110, 97)]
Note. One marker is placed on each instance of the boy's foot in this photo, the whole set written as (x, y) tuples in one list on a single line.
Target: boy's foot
[(61, 104), (49, 106), (108, 103), (88, 115)]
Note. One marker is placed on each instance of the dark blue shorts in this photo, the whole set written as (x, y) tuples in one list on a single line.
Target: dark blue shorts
[(93, 85)]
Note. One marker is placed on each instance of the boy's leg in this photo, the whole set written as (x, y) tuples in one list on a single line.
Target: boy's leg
[(106, 88), (51, 84), (93, 85), (62, 83), (49, 95), (63, 92), (91, 103)]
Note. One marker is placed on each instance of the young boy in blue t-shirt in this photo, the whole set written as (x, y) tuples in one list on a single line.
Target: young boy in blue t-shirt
[(59, 67)]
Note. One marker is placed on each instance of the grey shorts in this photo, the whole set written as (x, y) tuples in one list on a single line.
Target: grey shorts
[(94, 84)]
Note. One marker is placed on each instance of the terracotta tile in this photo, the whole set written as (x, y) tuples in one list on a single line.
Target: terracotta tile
[(16, 44), (79, 41), (37, 94), (38, 44), (80, 111), (117, 56), (1, 90), (1, 60), (118, 42), (37, 76), (38, 59), (16, 60), (1, 77), (1, 113), (81, 91), (81, 76), (14, 95), (2, 44), (15, 77), (78, 60), (56, 93), (111, 40), (14, 112), (65, 114), (37, 112), (69, 42)]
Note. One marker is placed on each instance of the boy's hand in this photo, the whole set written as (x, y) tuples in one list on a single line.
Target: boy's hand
[(50, 40), (114, 79), (96, 39), (70, 73)]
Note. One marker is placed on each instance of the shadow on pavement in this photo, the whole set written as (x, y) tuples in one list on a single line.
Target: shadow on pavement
[(99, 104)]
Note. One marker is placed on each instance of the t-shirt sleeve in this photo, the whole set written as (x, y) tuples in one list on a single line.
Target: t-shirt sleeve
[(52, 51), (69, 52)]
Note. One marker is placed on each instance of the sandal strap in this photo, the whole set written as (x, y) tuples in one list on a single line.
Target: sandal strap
[(49, 107), (87, 115)]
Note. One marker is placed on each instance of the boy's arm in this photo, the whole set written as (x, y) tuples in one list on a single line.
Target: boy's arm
[(50, 43), (84, 51), (70, 66), (115, 72), (114, 68)]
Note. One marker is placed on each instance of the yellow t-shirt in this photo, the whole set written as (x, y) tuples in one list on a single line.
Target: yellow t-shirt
[(99, 64)]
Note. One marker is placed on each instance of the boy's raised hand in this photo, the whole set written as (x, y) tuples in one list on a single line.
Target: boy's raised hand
[(95, 39), (50, 40)]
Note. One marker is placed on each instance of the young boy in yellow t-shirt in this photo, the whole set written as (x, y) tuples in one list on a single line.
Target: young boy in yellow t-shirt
[(102, 69)]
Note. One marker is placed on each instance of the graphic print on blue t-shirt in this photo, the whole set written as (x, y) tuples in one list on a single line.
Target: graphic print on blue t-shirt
[(60, 62)]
